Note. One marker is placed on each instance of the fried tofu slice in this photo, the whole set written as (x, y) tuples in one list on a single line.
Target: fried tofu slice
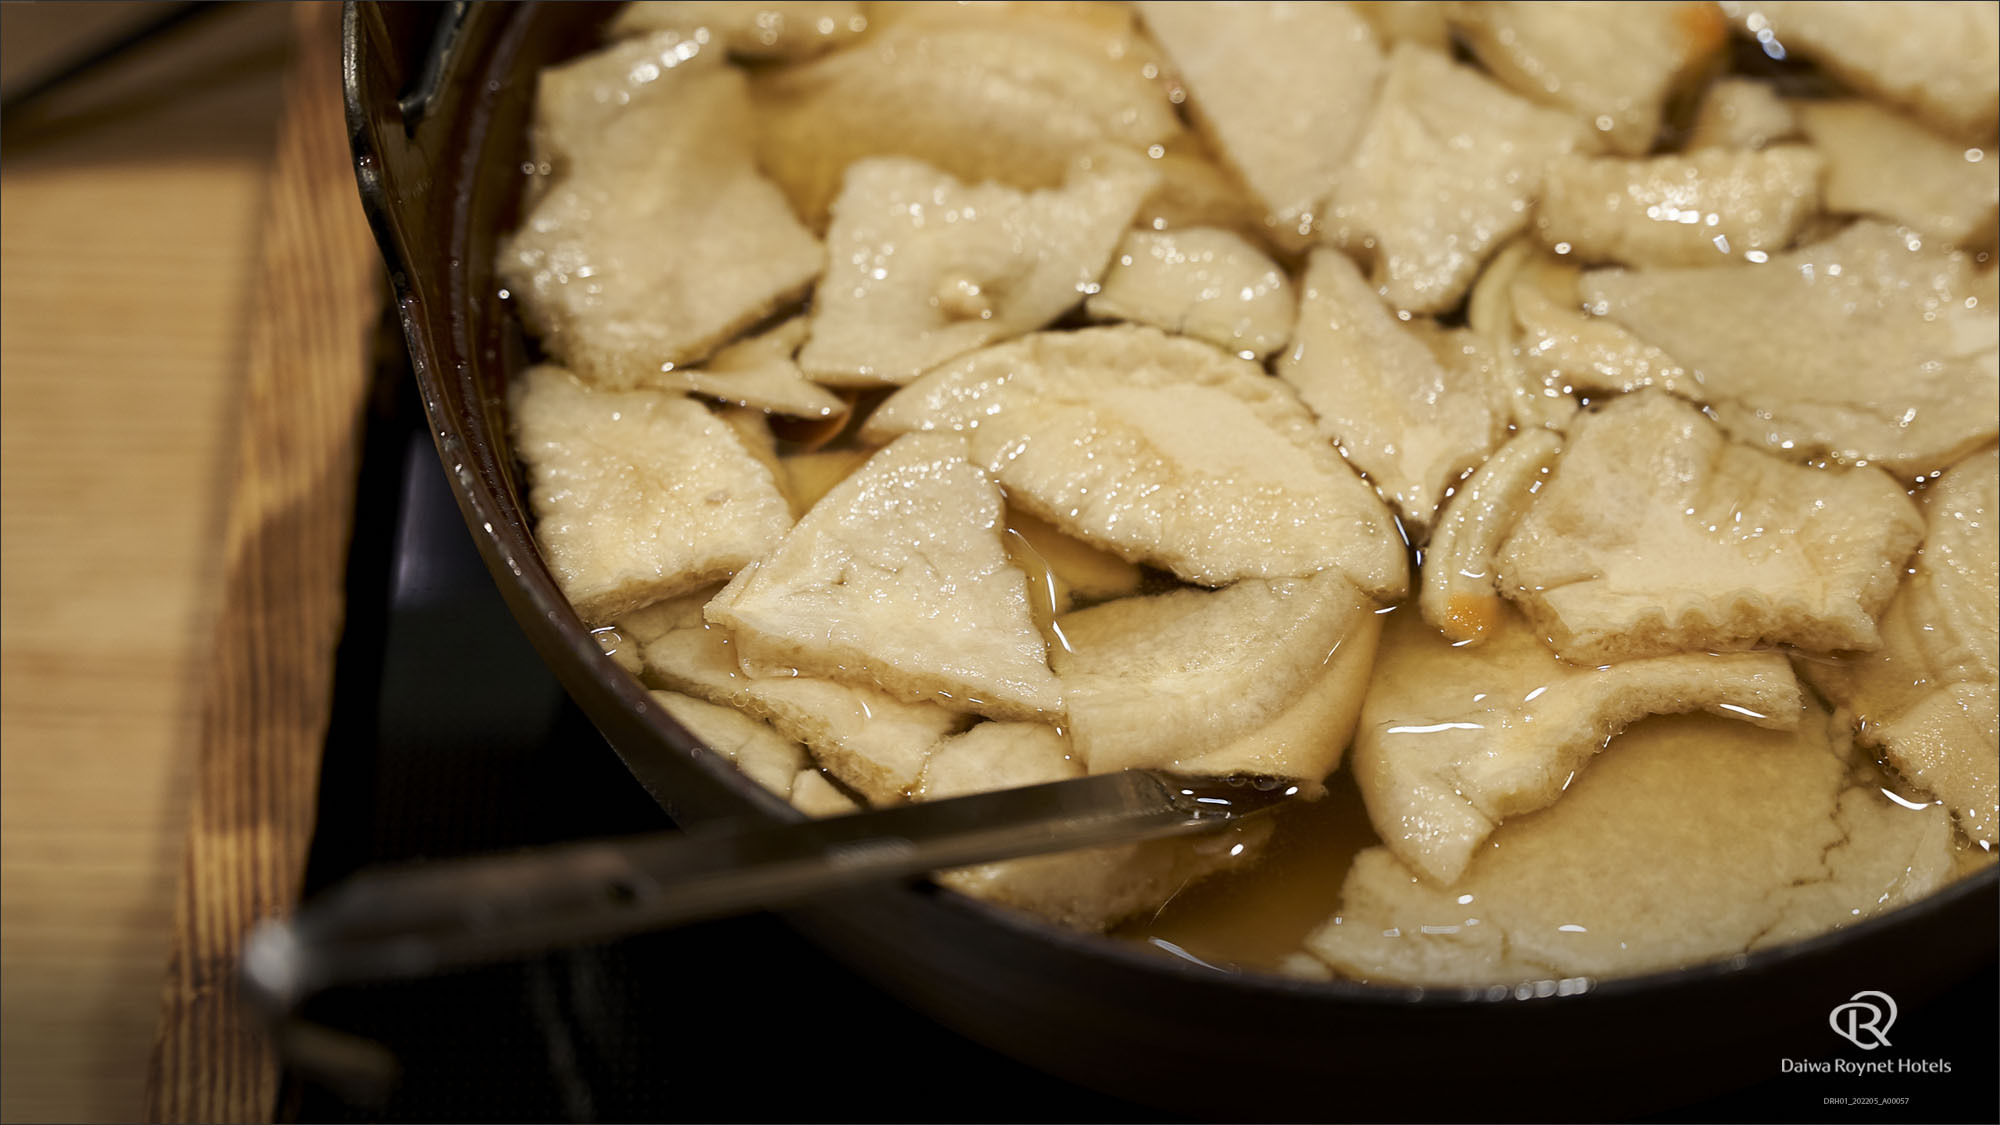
[(786, 30), (769, 758), (1089, 889), (1769, 841), (1204, 682), (1279, 90), (1534, 401), (1656, 534), (1860, 348), (1207, 283), (1567, 350), (619, 648), (922, 268), (1742, 114), (873, 742), (756, 372), (1460, 596), (1935, 60), (1106, 30), (1455, 740), (1612, 66), (899, 578), (1162, 450), (1883, 164), (638, 495), (1196, 191), (1699, 209), (1083, 570), (1444, 174), (1928, 699), (994, 756), (1426, 23), (1401, 414), (1048, 594), (1015, 101), (655, 239), (753, 429), (814, 795), (810, 476), (577, 100)]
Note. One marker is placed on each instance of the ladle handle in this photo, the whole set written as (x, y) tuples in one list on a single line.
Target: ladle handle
[(420, 919)]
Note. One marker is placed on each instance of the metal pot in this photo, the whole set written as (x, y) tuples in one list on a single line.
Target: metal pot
[(438, 102)]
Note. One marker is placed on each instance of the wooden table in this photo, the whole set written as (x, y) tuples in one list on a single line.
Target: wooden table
[(182, 315)]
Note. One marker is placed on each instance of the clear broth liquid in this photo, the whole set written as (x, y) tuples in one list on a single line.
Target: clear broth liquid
[(1257, 918)]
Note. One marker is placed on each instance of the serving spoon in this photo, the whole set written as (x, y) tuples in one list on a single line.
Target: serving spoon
[(420, 919)]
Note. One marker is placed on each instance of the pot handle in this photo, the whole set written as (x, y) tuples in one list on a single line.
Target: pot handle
[(416, 102)]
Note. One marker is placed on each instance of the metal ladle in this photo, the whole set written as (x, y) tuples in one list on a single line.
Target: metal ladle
[(420, 919)]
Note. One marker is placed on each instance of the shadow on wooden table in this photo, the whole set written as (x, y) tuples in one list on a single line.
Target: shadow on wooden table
[(201, 87)]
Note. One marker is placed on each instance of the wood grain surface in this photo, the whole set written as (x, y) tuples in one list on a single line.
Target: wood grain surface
[(128, 226), (265, 707)]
